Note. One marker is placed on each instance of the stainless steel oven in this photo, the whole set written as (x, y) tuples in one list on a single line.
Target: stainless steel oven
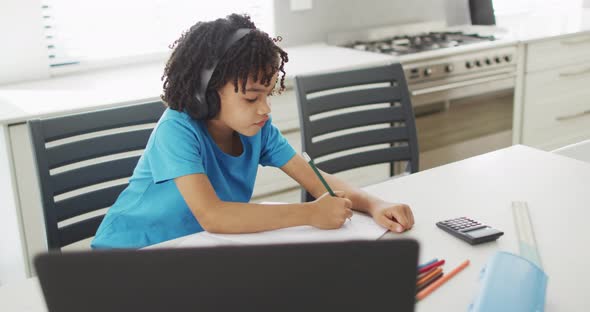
[(463, 103)]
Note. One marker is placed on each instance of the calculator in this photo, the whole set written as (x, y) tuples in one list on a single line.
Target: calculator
[(470, 230)]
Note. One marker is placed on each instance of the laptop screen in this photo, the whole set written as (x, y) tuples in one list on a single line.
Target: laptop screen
[(343, 276)]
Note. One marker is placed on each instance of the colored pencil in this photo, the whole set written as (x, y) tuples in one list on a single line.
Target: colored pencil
[(421, 275), (428, 276), (427, 263), (430, 266), (430, 281), (426, 291)]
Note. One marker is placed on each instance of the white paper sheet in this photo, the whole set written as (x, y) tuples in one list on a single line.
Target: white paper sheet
[(360, 227)]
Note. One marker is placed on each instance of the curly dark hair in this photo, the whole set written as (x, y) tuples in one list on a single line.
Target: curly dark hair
[(255, 55)]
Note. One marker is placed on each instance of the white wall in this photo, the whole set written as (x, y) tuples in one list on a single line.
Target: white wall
[(23, 52), (333, 16)]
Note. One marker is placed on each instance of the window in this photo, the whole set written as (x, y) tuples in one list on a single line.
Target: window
[(96, 33), (517, 7)]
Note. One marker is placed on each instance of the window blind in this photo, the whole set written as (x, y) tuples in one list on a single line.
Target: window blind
[(94, 31)]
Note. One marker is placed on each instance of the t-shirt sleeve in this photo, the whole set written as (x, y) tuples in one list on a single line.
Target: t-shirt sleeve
[(175, 151), (276, 150)]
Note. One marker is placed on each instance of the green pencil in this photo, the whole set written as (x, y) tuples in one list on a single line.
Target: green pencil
[(317, 172)]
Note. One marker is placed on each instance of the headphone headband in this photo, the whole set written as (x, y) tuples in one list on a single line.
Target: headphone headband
[(207, 73)]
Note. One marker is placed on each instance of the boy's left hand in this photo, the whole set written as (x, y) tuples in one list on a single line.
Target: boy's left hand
[(394, 217)]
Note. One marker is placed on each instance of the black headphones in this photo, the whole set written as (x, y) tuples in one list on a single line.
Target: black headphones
[(201, 94)]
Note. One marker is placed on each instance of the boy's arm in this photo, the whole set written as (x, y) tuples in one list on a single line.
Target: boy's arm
[(387, 214), (219, 216)]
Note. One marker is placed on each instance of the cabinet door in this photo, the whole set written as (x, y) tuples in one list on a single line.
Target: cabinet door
[(557, 106)]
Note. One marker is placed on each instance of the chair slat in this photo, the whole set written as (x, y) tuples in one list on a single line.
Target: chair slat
[(72, 125), (367, 158), (315, 83), (93, 174), (355, 119), (353, 98), (360, 139), (87, 202), (78, 231), (97, 147)]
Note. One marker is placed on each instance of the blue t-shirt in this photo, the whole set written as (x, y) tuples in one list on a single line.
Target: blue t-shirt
[(152, 210)]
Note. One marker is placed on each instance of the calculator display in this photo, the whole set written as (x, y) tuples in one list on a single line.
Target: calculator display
[(481, 232)]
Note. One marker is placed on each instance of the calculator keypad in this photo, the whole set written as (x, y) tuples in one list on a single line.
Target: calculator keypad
[(469, 230), (460, 224)]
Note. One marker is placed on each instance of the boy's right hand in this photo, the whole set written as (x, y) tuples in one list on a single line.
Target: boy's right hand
[(329, 212)]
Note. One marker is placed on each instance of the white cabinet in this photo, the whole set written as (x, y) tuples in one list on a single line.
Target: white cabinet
[(555, 86)]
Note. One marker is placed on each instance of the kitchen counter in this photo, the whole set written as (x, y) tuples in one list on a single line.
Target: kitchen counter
[(139, 83)]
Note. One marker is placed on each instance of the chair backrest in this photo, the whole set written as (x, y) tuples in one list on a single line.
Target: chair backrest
[(349, 98), (79, 159), (579, 151)]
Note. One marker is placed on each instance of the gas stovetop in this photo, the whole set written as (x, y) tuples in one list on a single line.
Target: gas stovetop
[(406, 44)]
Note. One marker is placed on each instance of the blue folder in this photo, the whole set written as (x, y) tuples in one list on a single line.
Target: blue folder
[(510, 283)]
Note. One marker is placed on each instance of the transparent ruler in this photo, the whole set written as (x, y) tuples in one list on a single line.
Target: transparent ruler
[(526, 236)]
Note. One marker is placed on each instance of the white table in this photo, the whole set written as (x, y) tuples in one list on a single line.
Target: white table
[(556, 188)]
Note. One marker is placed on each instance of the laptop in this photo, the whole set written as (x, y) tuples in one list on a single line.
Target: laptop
[(335, 276)]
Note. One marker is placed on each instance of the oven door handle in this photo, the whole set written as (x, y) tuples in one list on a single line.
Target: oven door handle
[(460, 84)]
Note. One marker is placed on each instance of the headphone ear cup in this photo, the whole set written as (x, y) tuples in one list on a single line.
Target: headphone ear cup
[(213, 104)]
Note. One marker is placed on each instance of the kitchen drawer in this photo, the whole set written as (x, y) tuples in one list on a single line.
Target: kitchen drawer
[(558, 51), (285, 114), (557, 106)]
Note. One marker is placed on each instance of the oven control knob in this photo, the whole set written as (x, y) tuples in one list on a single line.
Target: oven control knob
[(449, 68), (497, 59), (428, 72), (468, 64), (478, 63), (488, 61), (508, 58)]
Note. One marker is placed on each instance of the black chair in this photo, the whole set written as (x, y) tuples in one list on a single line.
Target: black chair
[(331, 92), (72, 139)]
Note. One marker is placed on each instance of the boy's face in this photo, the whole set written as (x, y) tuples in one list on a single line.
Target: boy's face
[(247, 112)]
